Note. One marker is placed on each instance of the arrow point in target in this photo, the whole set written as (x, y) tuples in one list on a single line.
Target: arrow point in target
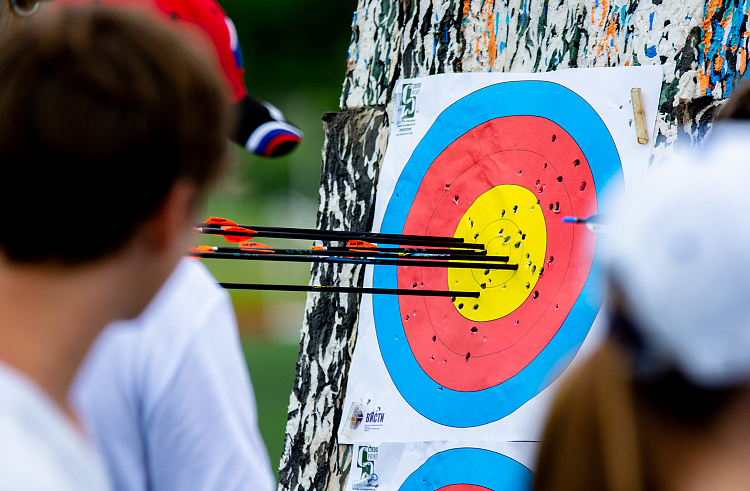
[(595, 223)]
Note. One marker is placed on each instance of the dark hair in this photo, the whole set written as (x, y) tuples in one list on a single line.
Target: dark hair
[(101, 112), (667, 391), (738, 104)]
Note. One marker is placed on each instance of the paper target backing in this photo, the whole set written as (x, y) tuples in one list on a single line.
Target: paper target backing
[(496, 159)]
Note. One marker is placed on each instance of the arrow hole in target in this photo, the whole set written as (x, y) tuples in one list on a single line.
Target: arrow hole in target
[(521, 235), (502, 338)]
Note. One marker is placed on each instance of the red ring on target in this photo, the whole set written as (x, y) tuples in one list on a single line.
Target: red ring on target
[(565, 329), (536, 154)]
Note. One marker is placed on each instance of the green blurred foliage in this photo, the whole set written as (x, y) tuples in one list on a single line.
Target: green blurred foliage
[(295, 58), (293, 44), (272, 367)]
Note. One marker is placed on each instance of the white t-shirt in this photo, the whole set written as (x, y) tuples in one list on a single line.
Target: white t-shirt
[(167, 397), (40, 450)]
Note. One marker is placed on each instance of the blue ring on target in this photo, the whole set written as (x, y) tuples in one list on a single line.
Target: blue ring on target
[(463, 409), (475, 466)]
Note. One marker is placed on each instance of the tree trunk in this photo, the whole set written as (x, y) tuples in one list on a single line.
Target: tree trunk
[(354, 146), (702, 47)]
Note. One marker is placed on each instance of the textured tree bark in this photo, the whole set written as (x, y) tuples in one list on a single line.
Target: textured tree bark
[(702, 46), (354, 146)]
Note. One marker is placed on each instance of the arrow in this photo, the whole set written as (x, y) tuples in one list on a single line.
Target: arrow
[(243, 233), (378, 253), (595, 223), (424, 263), (236, 234), (349, 289), (214, 225), (409, 250)]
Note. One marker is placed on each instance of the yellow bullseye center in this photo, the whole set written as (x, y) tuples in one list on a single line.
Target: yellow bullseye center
[(509, 222)]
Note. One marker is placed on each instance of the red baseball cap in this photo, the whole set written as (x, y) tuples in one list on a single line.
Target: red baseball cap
[(261, 128), (209, 18)]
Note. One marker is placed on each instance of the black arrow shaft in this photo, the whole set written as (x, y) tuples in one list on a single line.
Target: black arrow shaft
[(339, 233), (349, 289), (424, 263), (398, 240), (394, 253), (459, 249)]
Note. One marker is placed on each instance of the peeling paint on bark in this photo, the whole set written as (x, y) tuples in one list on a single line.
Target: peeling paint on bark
[(702, 56), (393, 39), (354, 147)]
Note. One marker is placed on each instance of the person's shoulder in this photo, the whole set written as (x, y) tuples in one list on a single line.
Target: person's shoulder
[(155, 342), (133, 362), (190, 294), (192, 276), (190, 303)]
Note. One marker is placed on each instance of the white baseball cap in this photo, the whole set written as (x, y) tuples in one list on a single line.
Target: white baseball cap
[(679, 249)]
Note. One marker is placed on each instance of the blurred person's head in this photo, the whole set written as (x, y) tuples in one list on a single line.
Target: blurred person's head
[(111, 130), (678, 258), (663, 403)]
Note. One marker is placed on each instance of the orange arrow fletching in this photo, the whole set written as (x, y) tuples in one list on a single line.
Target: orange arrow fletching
[(237, 238), (205, 248), (255, 247), (238, 229), (318, 248), (220, 221), (360, 244)]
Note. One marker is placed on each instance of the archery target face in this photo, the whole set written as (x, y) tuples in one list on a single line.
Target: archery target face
[(469, 469), (502, 171)]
